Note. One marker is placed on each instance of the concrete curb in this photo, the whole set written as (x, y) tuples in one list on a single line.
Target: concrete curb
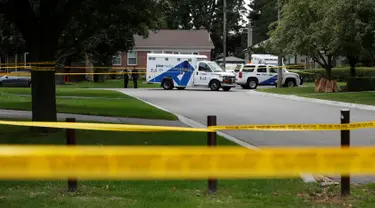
[(307, 178), (313, 100)]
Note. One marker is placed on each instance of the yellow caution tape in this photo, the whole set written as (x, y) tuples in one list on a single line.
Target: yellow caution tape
[(104, 67), (140, 128), (27, 63), (104, 73), (72, 74), (102, 126), (298, 127), (93, 162), (47, 68)]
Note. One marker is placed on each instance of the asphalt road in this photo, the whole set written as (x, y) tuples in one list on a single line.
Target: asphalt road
[(239, 107)]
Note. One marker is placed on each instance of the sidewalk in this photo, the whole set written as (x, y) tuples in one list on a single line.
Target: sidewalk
[(14, 114)]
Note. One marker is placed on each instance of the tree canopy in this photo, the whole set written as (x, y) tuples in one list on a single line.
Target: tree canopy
[(322, 29), (59, 28), (189, 14), (263, 13)]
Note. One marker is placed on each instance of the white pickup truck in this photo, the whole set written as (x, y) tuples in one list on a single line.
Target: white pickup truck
[(249, 76), (181, 71)]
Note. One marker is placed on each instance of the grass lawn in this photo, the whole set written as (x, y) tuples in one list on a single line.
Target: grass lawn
[(367, 98), (92, 102), (109, 83), (162, 194)]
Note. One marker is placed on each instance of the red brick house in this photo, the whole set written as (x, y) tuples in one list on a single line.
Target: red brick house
[(162, 41), (166, 41)]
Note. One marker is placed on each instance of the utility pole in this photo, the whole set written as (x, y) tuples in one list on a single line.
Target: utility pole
[(225, 32), (280, 61), (249, 41)]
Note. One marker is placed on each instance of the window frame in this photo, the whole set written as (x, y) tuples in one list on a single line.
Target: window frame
[(117, 57), (128, 57)]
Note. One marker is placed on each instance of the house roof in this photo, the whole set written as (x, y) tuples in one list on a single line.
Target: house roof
[(231, 59), (175, 39)]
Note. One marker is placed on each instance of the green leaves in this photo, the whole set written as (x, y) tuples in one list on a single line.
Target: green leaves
[(189, 14), (103, 28)]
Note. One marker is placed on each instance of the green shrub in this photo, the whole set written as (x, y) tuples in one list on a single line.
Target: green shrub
[(361, 83), (339, 74)]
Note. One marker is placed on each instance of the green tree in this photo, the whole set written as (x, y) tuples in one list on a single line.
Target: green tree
[(352, 26), (302, 31), (101, 35), (263, 13), (190, 14), (42, 25), (11, 41)]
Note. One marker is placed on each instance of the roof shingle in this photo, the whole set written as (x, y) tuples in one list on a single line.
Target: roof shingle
[(175, 39)]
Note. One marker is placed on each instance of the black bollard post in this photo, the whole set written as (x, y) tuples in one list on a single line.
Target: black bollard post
[(211, 142), (345, 143), (71, 140)]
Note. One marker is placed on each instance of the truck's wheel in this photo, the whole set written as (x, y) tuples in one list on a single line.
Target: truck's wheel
[(226, 88), (252, 83), (290, 83), (167, 84), (214, 85)]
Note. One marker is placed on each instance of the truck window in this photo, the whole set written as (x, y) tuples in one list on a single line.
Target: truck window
[(213, 66), (237, 69), (273, 70), (248, 68), (262, 69), (204, 67)]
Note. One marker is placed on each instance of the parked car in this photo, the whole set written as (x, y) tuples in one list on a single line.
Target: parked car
[(15, 81), (249, 76)]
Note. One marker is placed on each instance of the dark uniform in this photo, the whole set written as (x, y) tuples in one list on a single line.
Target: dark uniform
[(126, 78), (135, 76)]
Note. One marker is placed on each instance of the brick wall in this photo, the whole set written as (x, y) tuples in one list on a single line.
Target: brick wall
[(208, 54), (141, 59)]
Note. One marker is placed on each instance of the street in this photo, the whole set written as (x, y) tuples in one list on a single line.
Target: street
[(238, 107)]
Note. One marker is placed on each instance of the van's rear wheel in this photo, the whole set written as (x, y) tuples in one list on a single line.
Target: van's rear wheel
[(215, 85), (167, 84)]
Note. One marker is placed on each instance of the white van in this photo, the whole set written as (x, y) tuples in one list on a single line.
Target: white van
[(181, 71)]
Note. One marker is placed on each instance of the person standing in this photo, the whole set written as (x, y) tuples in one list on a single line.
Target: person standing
[(135, 76), (126, 78)]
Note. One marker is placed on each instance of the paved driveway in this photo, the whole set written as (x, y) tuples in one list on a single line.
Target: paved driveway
[(239, 107)]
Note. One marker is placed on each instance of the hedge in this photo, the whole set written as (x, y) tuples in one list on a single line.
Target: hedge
[(339, 74), (361, 83)]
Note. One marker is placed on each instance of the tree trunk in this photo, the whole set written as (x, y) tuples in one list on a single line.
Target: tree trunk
[(60, 69), (352, 62), (43, 83), (329, 73)]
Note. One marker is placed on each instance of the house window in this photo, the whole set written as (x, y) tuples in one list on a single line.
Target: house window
[(185, 53), (132, 58), (195, 53), (168, 52), (157, 51), (116, 60)]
